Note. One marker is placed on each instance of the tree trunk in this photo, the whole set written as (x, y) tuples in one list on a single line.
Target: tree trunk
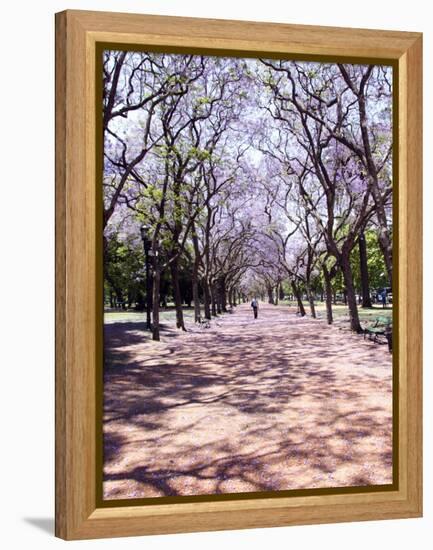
[(363, 266), (270, 294), (213, 295), (328, 294), (196, 266), (119, 297), (155, 305), (195, 295), (297, 294), (174, 269), (223, 296), (217, 297), (386, 249), (355, 325), (206, 298), (311, 302)]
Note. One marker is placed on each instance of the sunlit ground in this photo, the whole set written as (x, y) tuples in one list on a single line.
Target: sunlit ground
[(279, 403)]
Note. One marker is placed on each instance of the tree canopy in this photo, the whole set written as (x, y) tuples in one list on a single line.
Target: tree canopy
[(249, 176)]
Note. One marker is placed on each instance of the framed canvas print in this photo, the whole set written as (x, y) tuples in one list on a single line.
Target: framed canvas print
[(238, 274)]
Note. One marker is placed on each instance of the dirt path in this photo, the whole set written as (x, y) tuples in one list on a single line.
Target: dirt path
[(278, 403)]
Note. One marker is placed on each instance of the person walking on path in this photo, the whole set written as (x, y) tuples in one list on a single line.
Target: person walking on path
[(255, 306)]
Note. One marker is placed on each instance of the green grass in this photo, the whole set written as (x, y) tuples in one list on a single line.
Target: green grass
[(166, 316), (341, 311)]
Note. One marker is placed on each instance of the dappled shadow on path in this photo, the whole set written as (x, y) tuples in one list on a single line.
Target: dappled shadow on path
[(278, 403)]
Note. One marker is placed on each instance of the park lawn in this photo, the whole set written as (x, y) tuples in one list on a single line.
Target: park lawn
[(131, 316), (168, 315), (342, 310)]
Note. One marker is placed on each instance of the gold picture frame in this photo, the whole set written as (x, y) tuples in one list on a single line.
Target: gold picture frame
[(79, 34)]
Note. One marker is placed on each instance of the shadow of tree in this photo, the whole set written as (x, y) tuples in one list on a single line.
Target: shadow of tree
[(284, 403)]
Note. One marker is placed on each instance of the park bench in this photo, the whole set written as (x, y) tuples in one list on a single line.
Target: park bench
[(203, 322), (382, 326)]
